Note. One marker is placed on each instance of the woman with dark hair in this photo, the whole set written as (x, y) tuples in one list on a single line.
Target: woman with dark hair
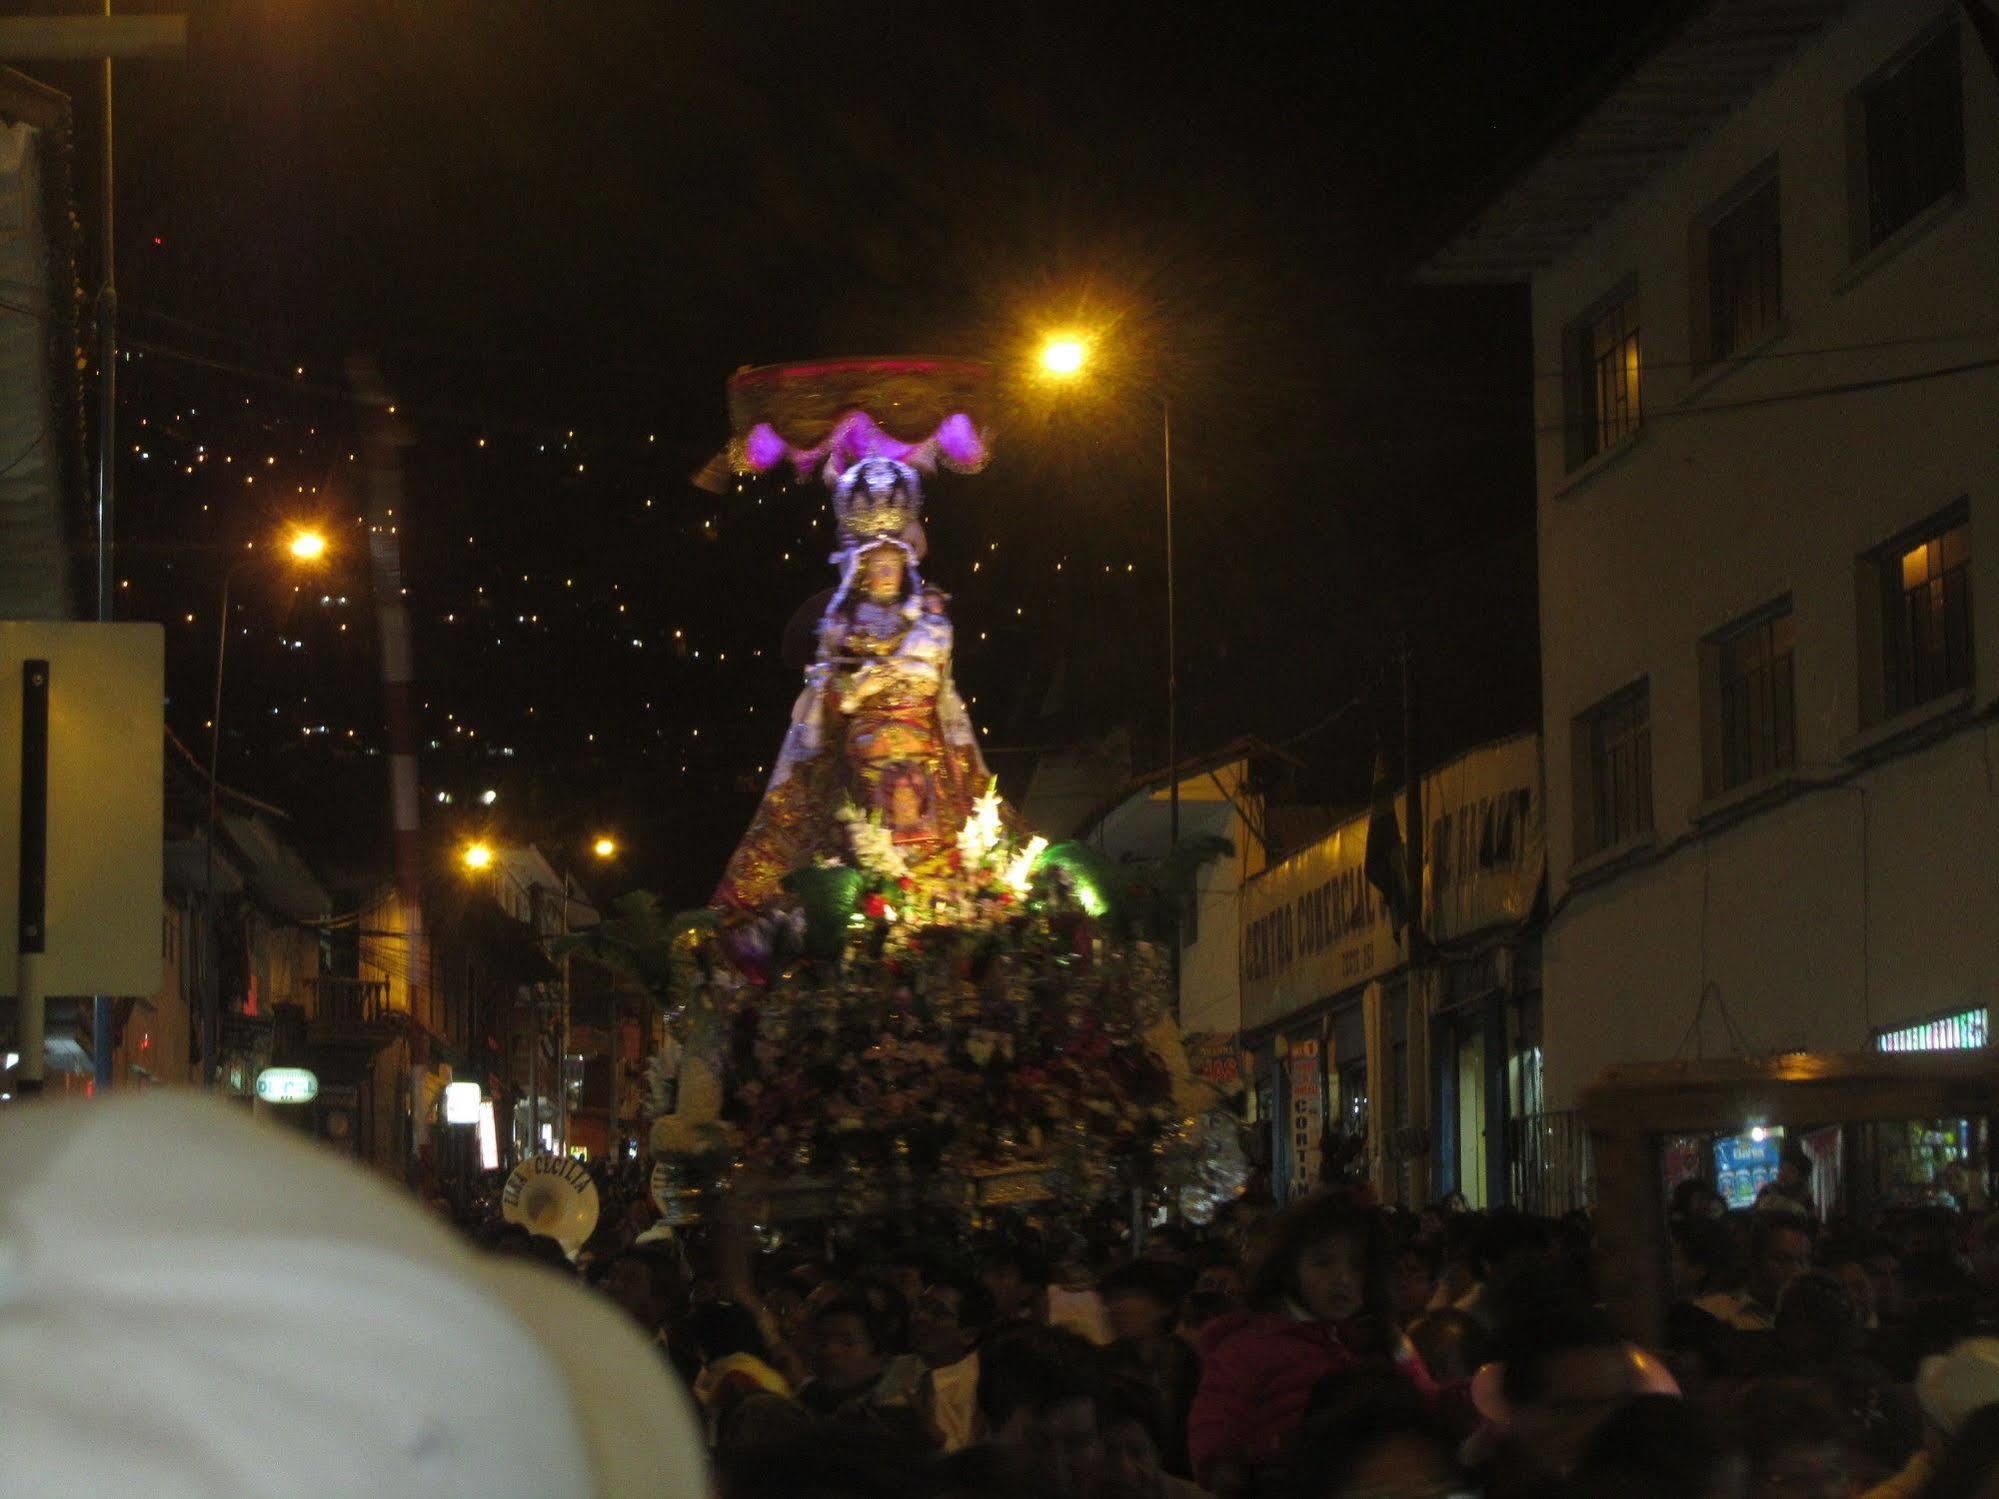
[(1322, 1307)]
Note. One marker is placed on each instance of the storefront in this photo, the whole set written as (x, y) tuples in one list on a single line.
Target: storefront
[(1316, 941), (1485, 858)]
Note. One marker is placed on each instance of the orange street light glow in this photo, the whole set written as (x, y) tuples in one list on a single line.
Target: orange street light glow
[(605, 847), (308, 546), (478, 856), (1064, 356)]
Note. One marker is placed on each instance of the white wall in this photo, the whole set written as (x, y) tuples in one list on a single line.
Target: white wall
[(1711, 512)]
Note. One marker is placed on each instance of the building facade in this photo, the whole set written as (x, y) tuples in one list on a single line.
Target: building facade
[(1423, 1076), (1764, 267)]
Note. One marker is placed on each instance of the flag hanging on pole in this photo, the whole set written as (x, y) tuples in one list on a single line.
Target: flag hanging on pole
[(1387, 865)]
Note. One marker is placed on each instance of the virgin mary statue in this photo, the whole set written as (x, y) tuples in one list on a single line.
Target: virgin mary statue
[(879, 727)]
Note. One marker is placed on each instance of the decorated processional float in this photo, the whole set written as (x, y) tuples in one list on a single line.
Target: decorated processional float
[(899, 996)]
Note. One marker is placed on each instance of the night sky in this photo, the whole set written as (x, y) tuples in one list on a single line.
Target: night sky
[(560, 226)]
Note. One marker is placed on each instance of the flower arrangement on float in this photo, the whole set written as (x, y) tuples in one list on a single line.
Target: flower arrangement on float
[(932, 1027)]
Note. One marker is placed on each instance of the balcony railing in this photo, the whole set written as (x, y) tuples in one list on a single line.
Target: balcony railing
[(345, 1008)]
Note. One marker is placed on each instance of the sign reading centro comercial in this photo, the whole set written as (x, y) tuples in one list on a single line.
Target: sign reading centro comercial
[(1313, 926)]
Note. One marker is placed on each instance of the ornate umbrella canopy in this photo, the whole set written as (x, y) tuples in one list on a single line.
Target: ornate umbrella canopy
[(829, 414)]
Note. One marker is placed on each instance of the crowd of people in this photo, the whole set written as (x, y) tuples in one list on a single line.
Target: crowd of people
[(1334, 1348)]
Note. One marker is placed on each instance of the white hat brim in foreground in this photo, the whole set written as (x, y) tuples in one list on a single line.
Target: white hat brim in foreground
[(197, 1303)]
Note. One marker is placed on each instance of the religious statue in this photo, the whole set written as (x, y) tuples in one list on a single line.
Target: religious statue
[(879, 725)]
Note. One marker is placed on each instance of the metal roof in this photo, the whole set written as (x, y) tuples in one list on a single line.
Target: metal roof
[(1633, 122)]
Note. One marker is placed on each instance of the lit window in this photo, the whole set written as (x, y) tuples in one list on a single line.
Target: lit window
[(1603, 370)]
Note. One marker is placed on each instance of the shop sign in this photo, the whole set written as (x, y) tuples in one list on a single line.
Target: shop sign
[(461, 1103), (1215, 1057), (1313, 926), (1484, 847), (1307, 1118), (287, 1085)]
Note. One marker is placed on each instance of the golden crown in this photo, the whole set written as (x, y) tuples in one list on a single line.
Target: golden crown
[(877, 497)]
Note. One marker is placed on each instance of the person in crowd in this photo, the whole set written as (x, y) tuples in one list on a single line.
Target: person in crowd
[(1134, 1432), (1218, 1273), (908, 1270), (951, 1315), (735, 1365), (1017, 1279), (1370, 1434), (1416, 1263), (1451, 1346), (1695, 1200), (1820, 1336), (1038, 1389), (1509, 1248), (1142, 1301), (649, 1283), (1790, 1191), (1780, 1250), (1563, 1372), (1323, 1306), (854, 1374), (1951, 1389), (1658, 1447), (1793, 1440)]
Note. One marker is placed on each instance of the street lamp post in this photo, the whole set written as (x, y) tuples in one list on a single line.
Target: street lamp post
[(304, 546), (1064, 357)]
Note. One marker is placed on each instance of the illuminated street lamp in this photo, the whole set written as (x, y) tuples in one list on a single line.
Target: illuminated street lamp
[(606, 847), (305, 546), (1065, 357), (477, 856)]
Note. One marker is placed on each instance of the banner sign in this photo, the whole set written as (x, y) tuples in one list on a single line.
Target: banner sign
[(1216, 1058), (1485, 847), (1313, 926)]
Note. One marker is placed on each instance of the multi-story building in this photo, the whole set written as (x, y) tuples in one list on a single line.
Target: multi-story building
[(1764, 268)]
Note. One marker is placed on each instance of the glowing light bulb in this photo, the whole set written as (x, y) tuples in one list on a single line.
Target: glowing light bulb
[(1064, 355)]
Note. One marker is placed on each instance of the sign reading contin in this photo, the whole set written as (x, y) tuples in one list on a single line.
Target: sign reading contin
[(1308, 1114)]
